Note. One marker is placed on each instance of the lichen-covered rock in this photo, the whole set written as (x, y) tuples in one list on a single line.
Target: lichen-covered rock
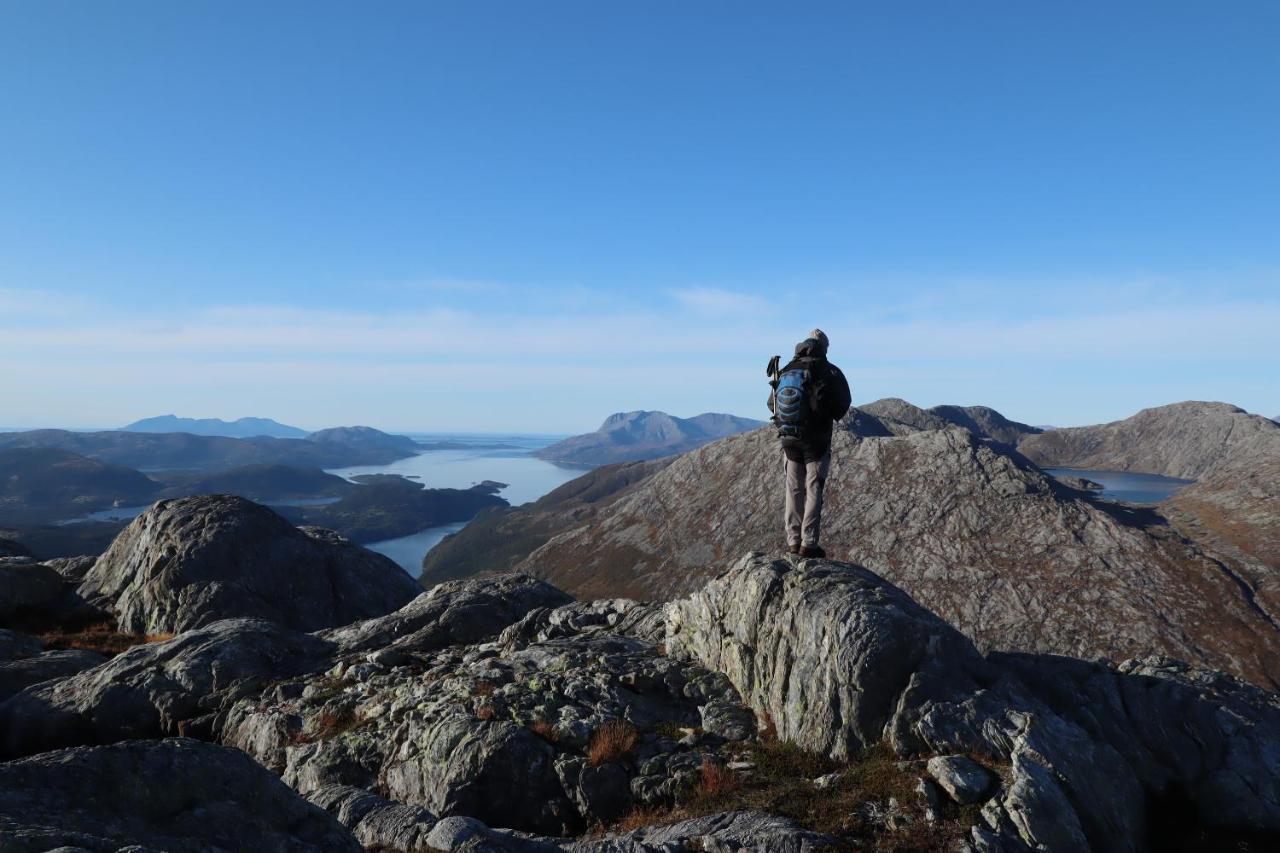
[(172, 794), (964, 780), (451, 613), (158, 688), (72, 569), (374, 820), (823, 652), (502, 731), (185, 563), (838, 659), (722, 832)]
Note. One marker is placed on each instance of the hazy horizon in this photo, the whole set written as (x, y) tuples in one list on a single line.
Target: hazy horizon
[(515, 431), (491, 217)]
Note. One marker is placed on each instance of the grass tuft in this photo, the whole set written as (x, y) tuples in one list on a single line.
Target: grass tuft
[(717, 780), (612, 742), (545, 730)]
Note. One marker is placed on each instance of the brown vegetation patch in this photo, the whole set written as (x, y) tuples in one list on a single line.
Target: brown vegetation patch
[(717, 780), (850, 808), (102, 637), (613, 741), (485, 713), (545, 730), (331, 723)]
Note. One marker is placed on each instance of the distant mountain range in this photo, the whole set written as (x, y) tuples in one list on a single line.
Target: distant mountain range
[(331, 448), (239, 428), (635, 436)]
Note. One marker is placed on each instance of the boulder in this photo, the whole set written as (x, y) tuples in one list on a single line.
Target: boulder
[(27, 587), (375, 821), (723, 831), (185, 563), (18, 674), (502, 731), (451, 613), (72, 569), (838, 659), (156, 689), (964, 780), (174, 794)]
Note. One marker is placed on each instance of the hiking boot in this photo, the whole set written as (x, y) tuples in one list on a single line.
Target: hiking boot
[(794, 549), (812, 551)]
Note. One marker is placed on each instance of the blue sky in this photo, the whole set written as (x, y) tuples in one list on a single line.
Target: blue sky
[(525, 216)]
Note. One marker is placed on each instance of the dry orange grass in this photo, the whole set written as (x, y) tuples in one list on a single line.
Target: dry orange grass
[(717, 779), (613, 741), (102, 637), (545, 730)]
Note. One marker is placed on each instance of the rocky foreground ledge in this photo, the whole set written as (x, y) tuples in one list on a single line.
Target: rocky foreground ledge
[(789, 705)]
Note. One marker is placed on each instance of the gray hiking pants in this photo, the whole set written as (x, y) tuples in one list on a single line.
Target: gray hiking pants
[(805, 482)]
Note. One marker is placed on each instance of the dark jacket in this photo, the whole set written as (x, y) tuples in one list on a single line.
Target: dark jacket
[(831, 403)]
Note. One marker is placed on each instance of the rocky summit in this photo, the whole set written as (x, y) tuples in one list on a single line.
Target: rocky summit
[(786, 705), (1013, 558), (186, 563)]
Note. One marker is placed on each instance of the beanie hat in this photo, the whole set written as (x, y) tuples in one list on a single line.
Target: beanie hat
[(819, 336)]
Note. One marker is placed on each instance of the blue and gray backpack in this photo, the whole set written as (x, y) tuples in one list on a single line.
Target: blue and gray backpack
[(791, 405)]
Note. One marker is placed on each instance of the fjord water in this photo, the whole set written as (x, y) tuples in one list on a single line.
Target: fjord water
[(467, 461), (1126, 486)]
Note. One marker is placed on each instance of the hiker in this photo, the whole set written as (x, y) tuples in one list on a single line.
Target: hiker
[(809, 395)]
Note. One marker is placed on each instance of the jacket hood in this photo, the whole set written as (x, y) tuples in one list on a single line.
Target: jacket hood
[(810, 348)]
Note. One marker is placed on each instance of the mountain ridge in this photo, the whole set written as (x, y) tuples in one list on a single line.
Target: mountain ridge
[(640, 435)]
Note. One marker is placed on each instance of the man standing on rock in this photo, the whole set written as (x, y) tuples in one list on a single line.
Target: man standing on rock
[(809, 395)]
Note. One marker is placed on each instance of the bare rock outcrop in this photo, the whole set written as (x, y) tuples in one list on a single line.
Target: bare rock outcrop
[(507, 731), (452, 613), (189, 562), (27, 587), (180, 686), (173, 794), (838, 659), (19, 671)]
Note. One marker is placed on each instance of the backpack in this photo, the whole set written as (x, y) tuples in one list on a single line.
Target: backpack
[(793, 403)]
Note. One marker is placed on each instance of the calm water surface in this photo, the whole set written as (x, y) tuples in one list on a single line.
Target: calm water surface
[(528, 479), (1126, 486)]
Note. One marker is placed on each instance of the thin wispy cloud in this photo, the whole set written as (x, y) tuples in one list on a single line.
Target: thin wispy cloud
[(711, 300), (401, 368)]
